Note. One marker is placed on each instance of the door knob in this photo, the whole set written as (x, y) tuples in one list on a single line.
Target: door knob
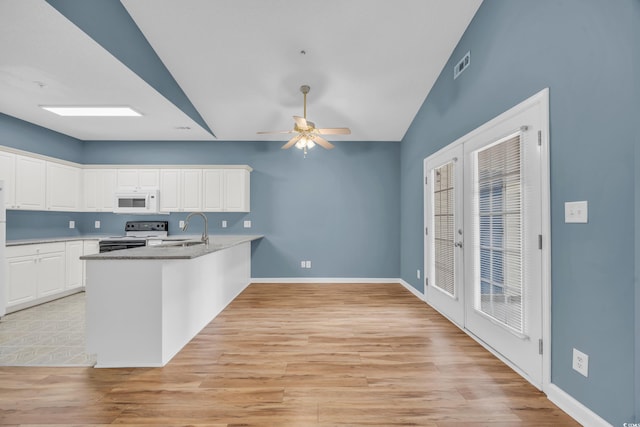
[(458, 244)]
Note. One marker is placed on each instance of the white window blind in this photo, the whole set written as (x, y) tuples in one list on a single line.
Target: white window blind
[(444, 228), (498, 198)]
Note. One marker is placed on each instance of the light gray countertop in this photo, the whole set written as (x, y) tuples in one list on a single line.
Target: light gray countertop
[(175, 250), (36, 241), (55, 239)]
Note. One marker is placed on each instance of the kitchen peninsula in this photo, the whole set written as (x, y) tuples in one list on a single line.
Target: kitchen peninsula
[(145, 304)]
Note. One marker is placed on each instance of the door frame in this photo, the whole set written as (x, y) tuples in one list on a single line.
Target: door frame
[(541, 101)]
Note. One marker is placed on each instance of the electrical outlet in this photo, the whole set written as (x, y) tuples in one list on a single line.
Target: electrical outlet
[(224, 223), (581, 362), (303, 264), (576, 212), (72, 224), (308, 264), (96, 224), (181, 224), (247, 224), (418, 273)]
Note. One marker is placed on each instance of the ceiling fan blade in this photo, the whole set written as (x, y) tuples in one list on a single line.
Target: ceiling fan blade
[(301, 122), (274, 131), (334, 131), (322, 142), (291, 142)]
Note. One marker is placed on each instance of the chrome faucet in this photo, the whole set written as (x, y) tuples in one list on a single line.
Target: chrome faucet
[(205, 233)]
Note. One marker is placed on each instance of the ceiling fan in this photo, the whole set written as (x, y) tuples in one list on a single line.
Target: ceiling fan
[(307, 133)]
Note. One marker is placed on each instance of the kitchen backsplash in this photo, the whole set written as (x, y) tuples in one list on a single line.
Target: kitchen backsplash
[(22, 224)]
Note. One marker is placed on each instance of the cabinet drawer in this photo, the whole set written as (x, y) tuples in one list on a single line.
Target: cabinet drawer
[(34, 249)]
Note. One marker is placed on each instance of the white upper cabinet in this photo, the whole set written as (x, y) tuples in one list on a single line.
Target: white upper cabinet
[(99, 189), (226, 190), (191, 190), (138, 178), (30, 187), (63, 187), (213, 190), (34, 182), (8, 175), (236, 190), (180, 190)]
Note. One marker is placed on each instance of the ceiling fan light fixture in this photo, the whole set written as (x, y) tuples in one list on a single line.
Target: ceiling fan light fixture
[(305, 142)]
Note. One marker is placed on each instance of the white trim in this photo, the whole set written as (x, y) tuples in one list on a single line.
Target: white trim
[(545, 226), (326, 280), (411, 289), (575, 409)]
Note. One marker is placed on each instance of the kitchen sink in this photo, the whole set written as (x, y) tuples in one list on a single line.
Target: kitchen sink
[(180, 243)]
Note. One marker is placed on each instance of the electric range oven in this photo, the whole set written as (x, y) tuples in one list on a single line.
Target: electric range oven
[(137, 233)]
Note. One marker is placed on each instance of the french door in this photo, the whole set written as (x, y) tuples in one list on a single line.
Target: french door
[(484, 212), (444, 221)]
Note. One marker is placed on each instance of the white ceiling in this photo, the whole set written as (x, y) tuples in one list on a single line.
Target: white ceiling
[(370, 65)]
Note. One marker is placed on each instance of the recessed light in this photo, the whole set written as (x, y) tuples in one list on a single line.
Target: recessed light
[(103, 111), (182, 127)]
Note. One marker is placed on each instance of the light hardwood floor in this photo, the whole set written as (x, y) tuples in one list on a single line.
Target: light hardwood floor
[(296, 355)]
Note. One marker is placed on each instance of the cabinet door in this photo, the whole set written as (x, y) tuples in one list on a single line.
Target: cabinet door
[(149, 178), (191, 190), (170, 184), (50, 269), (212, 194), (128, 178), (8, 175), (74, 274), (236, 190), (63, 187), (22, 279), (91, 192), (99, 189), (107, 189), (30, 183)]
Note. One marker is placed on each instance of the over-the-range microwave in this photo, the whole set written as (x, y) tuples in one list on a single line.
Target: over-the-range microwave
[(137, 200)]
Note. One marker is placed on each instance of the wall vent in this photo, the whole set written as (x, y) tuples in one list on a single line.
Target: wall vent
[(462, 65)]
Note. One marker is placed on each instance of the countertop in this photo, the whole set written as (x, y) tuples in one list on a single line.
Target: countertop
[(55, 239), (88, 237), (173, 251)]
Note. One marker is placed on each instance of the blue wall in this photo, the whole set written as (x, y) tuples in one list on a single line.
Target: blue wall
[(582, 51), (337, 208), (26, 136)]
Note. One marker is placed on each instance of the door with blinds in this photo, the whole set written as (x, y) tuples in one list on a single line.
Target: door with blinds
[(443, 228), (498, 291)]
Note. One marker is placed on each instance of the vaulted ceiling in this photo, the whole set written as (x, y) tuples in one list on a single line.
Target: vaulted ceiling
[(225, 69)]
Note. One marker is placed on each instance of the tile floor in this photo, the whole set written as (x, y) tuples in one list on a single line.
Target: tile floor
[(50, 334)]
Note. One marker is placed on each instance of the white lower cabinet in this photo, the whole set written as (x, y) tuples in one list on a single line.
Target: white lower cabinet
[(38, 273), (74, 275), (34, 272)]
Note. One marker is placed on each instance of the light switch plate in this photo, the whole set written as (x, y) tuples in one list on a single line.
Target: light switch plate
[(96, 224), (224, 223), (247, 224), (72, 224), (576, 212)]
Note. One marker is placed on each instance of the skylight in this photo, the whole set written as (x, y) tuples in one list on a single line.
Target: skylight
[(94, 111)]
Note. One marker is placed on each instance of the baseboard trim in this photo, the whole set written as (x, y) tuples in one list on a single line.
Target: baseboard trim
[(575, 409), (411, 289), (323, 280)]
